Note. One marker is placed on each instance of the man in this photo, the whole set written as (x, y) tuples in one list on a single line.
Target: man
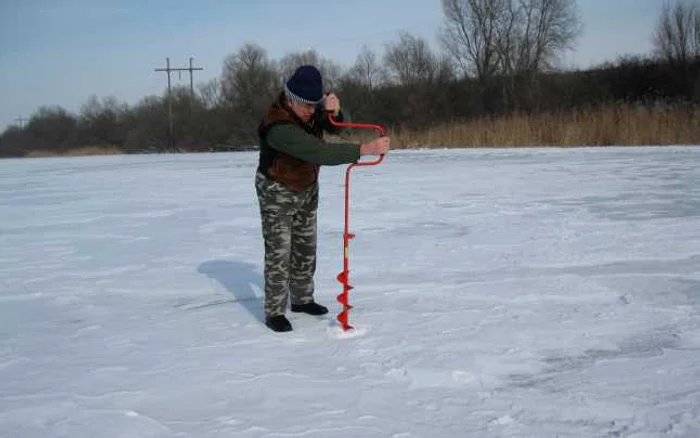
[(291, 151)]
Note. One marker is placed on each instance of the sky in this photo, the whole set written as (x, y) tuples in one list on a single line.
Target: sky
[(60, 52)]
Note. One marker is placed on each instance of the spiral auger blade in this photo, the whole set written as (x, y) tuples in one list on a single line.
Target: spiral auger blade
[(344, 297), (343, 318)]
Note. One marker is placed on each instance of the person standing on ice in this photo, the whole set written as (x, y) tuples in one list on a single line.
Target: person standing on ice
[(286, 181)]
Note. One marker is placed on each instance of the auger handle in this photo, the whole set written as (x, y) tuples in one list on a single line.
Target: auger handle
[(379, 128)]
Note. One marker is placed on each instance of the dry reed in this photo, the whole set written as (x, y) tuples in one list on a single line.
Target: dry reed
[(608, 126), (77, 152), (619, 125)]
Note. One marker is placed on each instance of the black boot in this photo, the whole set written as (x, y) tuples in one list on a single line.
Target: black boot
[(312, 308), (278, 323)]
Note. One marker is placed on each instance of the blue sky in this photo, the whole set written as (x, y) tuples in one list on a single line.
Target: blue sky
[(59, 52)]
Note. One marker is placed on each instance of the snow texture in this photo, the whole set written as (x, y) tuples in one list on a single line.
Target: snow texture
[(498, 293)]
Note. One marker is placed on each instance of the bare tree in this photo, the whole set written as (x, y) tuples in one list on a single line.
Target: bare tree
[(486, 37), (330, 70), (444, 70), (289, 63), (410, 60), (535, 33), (249, 83), (102, 121), (677, 34), (696, 32), (210, 93), (13, 142), (470, 34), (249, 79), (52, 128), (367, 69)]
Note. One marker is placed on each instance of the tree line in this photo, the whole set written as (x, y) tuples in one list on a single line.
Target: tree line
[(496, 58)]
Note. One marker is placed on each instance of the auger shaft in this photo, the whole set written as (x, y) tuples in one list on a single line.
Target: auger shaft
[(344, 276)]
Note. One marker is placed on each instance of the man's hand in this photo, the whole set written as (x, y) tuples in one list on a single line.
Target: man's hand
[(332, 104), (379, 146)]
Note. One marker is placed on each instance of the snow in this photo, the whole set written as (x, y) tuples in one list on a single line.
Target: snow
[(498, 293)]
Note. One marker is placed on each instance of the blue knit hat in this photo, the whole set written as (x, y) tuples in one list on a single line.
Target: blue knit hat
[(305, 85)]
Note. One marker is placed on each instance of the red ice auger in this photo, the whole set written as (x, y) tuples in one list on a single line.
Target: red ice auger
[(344, 277)]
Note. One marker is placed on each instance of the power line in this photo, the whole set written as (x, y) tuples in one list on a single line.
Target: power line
[(169, 70), (21, 121)]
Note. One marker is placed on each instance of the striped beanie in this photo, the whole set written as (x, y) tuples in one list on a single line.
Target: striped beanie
[(305, 85)]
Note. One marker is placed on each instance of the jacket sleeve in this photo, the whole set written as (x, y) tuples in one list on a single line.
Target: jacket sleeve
[(293, 141)]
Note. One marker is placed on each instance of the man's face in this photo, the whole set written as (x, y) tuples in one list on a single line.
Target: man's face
[(303, 110)]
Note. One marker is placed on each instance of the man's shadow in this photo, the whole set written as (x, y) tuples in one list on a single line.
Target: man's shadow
[(240, 279)]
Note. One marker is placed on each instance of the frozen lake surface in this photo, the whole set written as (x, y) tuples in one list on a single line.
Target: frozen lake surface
[(498, 293)]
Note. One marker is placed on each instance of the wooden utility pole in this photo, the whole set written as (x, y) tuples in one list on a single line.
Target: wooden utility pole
[(191, 69), (169, 70), (21, 121)]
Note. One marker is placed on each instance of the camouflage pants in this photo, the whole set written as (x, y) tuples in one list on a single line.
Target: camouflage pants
[(289, 230)]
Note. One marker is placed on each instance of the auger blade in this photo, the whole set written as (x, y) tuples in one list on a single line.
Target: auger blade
[(343, 319), (343, 299)]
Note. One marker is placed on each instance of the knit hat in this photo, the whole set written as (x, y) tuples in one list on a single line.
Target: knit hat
[(305, 85)]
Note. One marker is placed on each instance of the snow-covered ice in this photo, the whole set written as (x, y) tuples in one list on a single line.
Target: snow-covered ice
[(498, 293)]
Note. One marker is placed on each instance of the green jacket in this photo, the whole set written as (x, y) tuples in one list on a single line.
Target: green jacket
[(290, 139), (291, 151)]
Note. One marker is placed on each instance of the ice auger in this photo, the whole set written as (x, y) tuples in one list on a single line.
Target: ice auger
[(344, 276)]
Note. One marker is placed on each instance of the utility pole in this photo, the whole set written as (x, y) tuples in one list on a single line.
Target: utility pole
[(191, 69), (21, 121), (168, 70), (170, 101)]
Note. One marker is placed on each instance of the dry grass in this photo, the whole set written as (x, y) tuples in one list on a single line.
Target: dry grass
[(77, 152), (618, 125), (621, 125)]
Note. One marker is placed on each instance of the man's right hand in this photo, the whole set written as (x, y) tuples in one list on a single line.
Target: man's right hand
[(379, 146)]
